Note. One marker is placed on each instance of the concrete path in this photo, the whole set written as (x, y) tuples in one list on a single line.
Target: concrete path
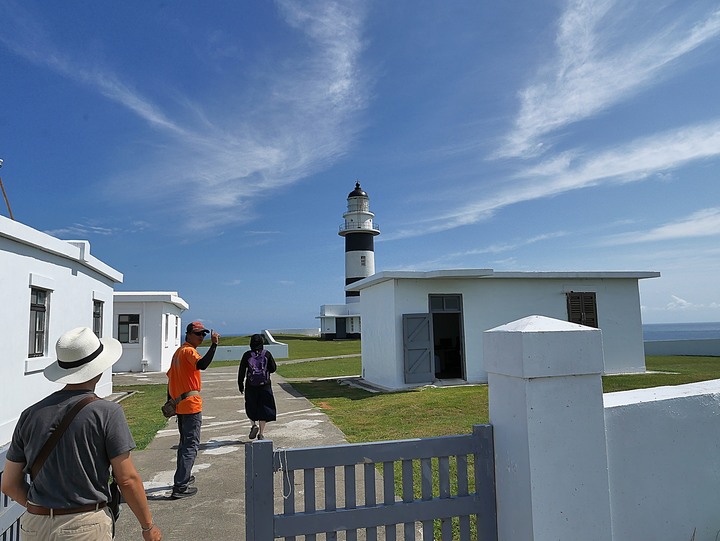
[(217, 510)]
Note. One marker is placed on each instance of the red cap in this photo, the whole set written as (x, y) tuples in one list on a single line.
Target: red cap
[(196, 326)]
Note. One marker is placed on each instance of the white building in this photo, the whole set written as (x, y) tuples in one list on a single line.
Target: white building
[(359, 230), (421, 327), (48, 287), (149, 327)]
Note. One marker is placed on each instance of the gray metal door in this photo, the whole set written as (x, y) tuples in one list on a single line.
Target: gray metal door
[(418, 348)]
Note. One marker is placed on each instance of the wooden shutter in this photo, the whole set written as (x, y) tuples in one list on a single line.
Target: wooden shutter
[(582, 308)]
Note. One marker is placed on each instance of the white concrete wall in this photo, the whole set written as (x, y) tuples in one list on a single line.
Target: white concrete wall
[(381, 339), (487, 303), (702, 347), (664, 462), (31, 258), (574, 464)]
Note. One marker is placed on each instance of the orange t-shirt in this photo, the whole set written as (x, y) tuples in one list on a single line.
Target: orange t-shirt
[(184, 376)]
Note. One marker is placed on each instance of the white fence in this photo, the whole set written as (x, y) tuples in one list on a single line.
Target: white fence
[(572, 464), (235, 353)]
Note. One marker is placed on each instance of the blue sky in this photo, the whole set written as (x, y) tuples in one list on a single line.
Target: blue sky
[(208, 147)]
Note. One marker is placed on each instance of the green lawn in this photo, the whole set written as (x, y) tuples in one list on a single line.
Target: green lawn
[(301, 347), (365, 416)]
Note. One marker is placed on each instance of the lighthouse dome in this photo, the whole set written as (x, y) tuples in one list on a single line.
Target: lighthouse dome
[(357, 192)]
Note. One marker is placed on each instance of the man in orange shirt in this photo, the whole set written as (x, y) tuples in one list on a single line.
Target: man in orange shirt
[(184, 379)]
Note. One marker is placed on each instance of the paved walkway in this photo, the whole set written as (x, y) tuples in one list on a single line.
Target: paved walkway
[(217, 511)]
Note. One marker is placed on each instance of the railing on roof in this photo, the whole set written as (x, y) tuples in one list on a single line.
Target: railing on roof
[(363, 226)]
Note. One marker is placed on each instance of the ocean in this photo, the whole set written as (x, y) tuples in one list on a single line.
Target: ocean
[(680, 331)]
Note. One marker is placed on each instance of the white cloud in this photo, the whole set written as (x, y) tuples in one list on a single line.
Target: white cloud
[(633, 161), (321, 86), (592, 71), (703, 223)]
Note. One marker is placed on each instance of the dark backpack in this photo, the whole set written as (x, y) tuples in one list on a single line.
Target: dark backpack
[(257, 369)]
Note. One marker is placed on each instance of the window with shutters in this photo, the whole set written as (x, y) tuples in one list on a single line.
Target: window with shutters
[(39, 299), (582, 308)]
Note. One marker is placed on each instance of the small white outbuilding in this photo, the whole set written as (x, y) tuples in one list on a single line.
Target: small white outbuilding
[(149, 327), (423, 327), (48, 287)]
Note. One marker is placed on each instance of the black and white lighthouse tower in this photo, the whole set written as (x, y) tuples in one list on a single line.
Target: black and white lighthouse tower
[(359, 231)]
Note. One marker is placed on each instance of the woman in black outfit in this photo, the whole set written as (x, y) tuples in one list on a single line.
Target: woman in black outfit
[(256, 366)]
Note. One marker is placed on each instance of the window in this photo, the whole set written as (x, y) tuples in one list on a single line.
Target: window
[(445, 303), (38, 322), (582, 308), (98, 318), (129, 328), (363, 260)]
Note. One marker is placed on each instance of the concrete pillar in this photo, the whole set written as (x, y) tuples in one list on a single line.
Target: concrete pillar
[(546, 407)]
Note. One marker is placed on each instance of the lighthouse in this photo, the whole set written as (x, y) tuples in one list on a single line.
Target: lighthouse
[(341, 321), (359, 231)]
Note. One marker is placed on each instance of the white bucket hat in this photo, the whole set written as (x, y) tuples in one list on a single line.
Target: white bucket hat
[(82, 356)]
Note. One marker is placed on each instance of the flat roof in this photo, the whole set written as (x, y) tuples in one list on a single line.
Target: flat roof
[(474, 274), (75, 250), (170, 297)]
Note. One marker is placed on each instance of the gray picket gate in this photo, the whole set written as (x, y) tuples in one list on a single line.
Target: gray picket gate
[(357, 507)]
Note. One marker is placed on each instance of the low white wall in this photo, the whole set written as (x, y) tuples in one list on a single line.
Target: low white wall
[(706, 347), (235, 353), (656, 475), (310, 331), (664, 462)]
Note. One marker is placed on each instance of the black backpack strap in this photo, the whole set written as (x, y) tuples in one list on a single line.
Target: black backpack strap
[(58, 432)]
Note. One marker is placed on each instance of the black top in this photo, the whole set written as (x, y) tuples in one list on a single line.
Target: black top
[(357, 192)]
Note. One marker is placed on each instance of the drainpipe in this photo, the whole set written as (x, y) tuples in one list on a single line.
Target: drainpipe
[(144, 364)]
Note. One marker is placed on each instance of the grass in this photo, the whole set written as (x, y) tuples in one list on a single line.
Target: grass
[(327, 368), (142, 410), (675, 370)]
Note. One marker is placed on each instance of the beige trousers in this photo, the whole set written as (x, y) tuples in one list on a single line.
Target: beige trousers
[(91, 526)]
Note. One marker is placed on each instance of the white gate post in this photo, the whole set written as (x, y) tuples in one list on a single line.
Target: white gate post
[(546, 408)]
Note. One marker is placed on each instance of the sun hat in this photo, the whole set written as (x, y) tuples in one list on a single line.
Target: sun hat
[(81, 356), (196, 326)]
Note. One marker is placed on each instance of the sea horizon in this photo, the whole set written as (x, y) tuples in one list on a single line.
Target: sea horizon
[(681, 331)]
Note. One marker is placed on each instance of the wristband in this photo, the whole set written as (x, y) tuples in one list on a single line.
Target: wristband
[(152, 525)]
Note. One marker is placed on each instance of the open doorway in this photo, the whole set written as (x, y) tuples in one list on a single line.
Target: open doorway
[(446, 312)]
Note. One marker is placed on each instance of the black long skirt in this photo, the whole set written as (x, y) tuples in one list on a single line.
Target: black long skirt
[(260, 403)]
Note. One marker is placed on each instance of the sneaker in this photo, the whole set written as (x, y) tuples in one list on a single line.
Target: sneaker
[(191, 481), (253, 432), (261, 437), (189, 491)]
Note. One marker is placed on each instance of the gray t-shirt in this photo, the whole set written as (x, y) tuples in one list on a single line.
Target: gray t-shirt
[(77, 471)]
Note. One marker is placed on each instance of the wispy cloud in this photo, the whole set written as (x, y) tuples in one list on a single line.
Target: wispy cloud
[(703, 223), (83, 231), (321, 86), (633, 161), (679, 304), (591, 71), (465, 258)]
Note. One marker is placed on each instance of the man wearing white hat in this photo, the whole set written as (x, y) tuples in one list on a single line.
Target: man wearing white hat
[(67, 497)]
